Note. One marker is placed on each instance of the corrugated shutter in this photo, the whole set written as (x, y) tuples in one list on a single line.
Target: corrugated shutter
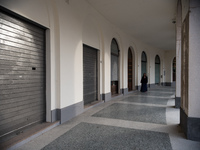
[(89, 74), (22, 74)]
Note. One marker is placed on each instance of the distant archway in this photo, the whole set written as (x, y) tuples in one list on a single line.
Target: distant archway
[(130, 70), (174, 69), (114, 67), (157, 69), (143, 63)]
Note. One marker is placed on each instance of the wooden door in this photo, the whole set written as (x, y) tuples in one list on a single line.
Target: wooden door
[(130, 70)]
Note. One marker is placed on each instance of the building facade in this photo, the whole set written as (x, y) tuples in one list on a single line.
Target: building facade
[(78, 57)]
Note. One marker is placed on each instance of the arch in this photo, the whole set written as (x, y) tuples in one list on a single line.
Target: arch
[(174, 69), (157, 69), (131, 69), (143, 63), (114, 67)]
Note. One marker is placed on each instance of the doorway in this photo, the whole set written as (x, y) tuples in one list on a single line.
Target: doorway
[(90, 74), (143, 63), (130, 70), (114, 67), (174, 69), (157, 70)]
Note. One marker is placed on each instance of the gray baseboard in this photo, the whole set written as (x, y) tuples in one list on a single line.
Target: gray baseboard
[(121, 91), (166, 83), (148, 85), (106, 97), (177, 102), (55, 115), (138, 87), (173, 84), (70, 112), (190, 126), (152, 85), (125, 91)]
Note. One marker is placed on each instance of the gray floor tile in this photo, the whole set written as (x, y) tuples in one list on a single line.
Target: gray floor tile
[(87, 136), (147, 100), (123, 123), (131, 112), (156, 94)]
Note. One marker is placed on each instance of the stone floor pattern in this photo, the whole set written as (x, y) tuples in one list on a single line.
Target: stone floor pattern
[(137, 121)]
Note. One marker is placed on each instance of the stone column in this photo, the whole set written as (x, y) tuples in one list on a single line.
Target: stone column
[(178, 55), (190, 70)]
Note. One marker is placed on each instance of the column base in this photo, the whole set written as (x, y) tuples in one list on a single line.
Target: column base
[(125, 91), (106, 97), (177, 102)]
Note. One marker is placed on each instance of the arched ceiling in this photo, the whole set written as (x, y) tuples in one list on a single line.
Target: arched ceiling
[(147, 20)]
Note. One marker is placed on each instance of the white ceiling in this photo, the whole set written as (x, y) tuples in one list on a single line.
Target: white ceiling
[(147, 20)]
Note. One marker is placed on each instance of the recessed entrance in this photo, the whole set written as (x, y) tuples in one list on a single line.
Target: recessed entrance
[(143, 63), (157, 70), (22, 75), (114, 68), (130, 70), (174, 69), (90, 74)]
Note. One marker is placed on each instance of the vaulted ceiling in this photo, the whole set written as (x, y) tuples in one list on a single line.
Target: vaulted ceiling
[(150, 21)]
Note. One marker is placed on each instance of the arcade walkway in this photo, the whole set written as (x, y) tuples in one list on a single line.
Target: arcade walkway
[(138, 121)]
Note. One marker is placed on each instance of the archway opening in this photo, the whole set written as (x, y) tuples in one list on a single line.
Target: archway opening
[(174, 69), (130, 70), (143, 63), (114, 67), (157, 70)]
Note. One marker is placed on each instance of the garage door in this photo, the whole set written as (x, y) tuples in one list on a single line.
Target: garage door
[(89, 74), (22, 74)]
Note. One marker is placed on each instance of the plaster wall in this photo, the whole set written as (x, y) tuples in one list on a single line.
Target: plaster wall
[(70, 24), (194, 55), (167, 69)]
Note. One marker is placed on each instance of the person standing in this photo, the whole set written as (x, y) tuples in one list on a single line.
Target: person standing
[(144, 82)]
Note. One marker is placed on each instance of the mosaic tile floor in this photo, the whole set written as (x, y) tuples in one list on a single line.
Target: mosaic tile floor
[(147, 100), (87, 136), (137, 121), (131, 112)]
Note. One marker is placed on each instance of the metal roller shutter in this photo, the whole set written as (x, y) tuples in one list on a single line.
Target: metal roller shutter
[(22, 74), (89, 74)]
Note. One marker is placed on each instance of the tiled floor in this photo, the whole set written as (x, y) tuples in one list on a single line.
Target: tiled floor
[(138, 121)]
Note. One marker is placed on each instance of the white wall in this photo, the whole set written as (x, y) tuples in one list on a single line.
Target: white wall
[(168, 61), (71, 25), (194, 61)]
